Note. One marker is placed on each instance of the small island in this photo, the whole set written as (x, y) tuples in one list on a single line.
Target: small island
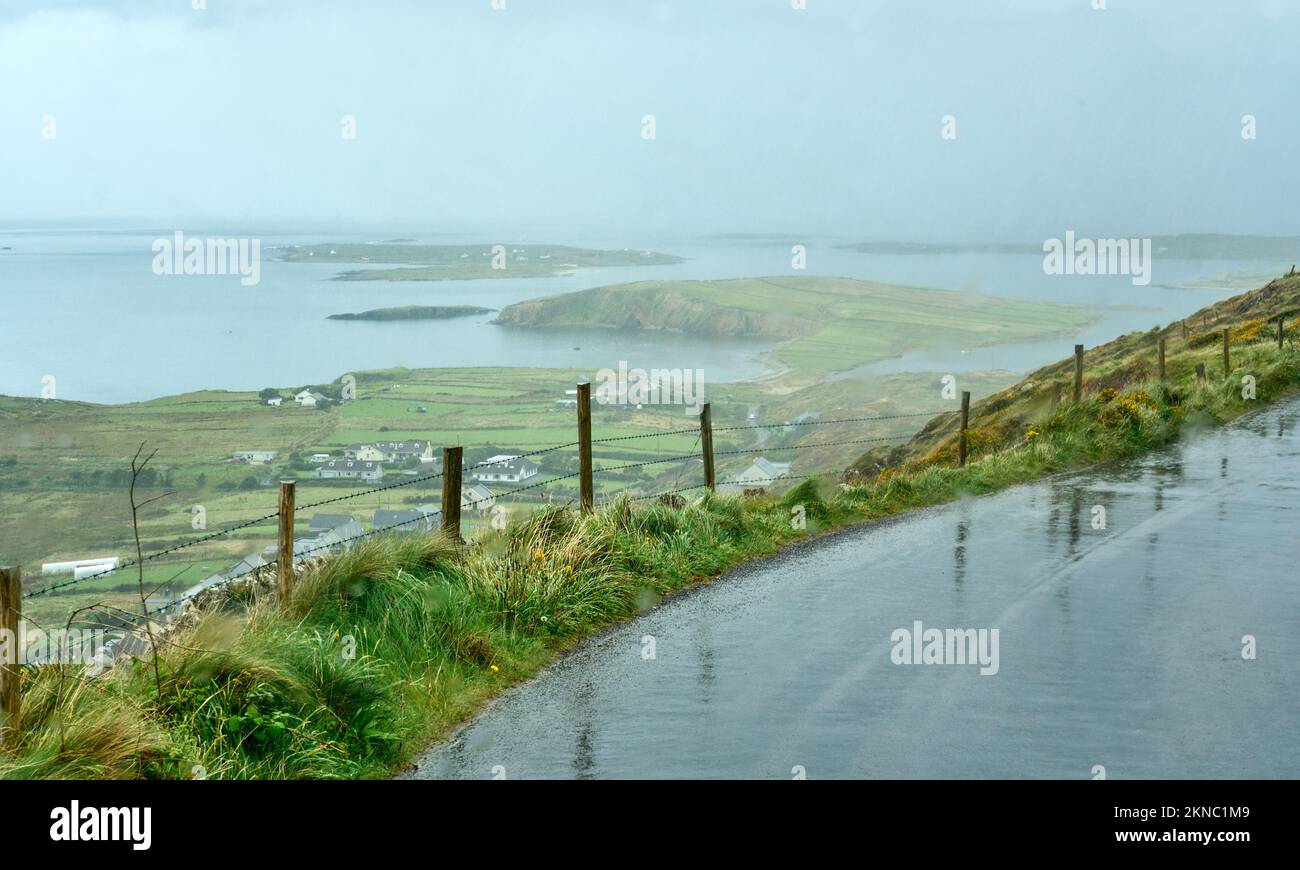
[(415, 312)]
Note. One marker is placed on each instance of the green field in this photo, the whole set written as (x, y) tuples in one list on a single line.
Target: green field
[(63, 464)]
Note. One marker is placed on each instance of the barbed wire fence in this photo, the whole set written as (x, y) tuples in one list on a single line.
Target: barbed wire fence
[(289, 553), (597, 469)]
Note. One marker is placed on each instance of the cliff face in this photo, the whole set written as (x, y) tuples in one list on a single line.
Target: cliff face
[(652, 308)]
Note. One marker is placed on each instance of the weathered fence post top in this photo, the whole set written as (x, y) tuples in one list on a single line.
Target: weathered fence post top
[(284, 552), (451, 491), (965, 420), (1078, 372), (706, 445), (586, 491)]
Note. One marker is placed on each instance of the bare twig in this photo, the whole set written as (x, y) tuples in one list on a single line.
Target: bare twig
[(138, 466)]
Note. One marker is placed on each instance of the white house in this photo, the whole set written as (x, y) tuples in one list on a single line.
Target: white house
[(760, 473), (505, 467), (275, 402), (309, 398), (364, 452), (357, 468)]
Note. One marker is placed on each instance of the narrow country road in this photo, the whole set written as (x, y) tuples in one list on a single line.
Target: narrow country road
[(1118, 648)]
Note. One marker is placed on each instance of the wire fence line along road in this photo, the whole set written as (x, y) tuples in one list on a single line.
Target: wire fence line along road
[(595, 470), (130, 630)]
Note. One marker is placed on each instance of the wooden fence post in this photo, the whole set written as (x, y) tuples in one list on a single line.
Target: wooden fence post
[(706, 445), (1227, 363), (451, 495), (1162, 360), (586, 492), (11, 614), (284, 555), (965, 419), (1200, 372), (1078, 372), (1280, 318)]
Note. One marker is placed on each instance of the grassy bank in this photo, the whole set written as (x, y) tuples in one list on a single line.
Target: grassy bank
[(383, 650)]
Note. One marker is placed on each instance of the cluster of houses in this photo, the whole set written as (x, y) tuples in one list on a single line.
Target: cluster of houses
[(366, 463), (504, 468)]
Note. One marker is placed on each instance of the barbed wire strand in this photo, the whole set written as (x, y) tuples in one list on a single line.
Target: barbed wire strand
[(540, 452)]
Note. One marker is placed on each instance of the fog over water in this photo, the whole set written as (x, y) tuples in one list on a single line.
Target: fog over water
[(109, 330), (529, 119)]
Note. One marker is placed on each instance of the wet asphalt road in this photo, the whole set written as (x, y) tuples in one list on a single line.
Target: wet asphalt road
[(1119, 647)]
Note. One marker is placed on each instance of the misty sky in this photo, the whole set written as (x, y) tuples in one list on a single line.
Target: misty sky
[(1125, 121)]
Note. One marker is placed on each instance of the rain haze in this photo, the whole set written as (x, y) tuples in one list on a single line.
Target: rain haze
[(653, 389), (769, 119)]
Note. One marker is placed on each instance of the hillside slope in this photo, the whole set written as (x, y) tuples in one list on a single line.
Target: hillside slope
[(1004, 419)]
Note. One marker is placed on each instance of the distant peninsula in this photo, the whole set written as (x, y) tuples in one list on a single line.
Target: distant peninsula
[(415, 312), (415, 262), (1189, 246), (816, 324)]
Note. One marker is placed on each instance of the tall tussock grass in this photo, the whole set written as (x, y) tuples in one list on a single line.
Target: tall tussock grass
[(377, 651)]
